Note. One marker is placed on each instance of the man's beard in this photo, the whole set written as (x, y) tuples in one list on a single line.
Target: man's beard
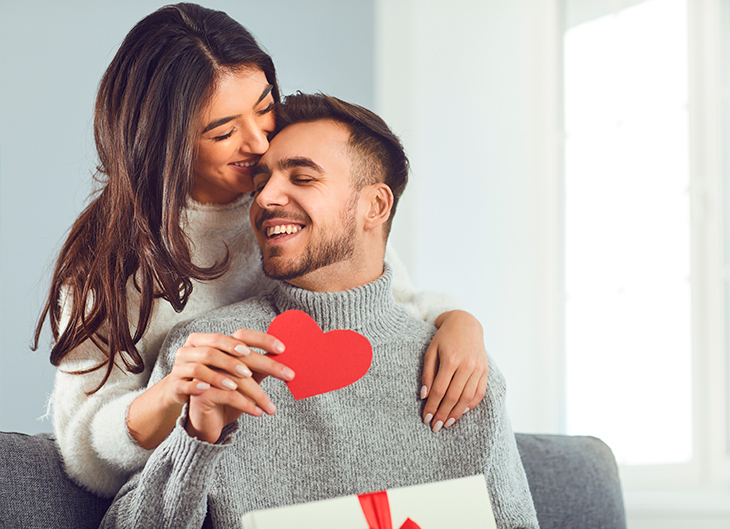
[(318, 253)]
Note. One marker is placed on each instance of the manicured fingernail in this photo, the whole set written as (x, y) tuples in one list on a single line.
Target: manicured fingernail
[(243, 370), (271, 409), (427, 418), (437, 426), (467, 409), (288, 373), (449, 422), (203, 385), (242, 349), (228, 383), (258, 411), (424, 392), (279, 347)]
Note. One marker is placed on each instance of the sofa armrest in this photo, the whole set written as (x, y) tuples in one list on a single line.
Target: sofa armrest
[(35, 491), (574, 482)]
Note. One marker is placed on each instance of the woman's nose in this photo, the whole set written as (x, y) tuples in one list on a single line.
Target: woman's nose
[(256, 139)]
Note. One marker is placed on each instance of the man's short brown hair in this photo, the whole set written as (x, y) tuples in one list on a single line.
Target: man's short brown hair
[(377, 153)]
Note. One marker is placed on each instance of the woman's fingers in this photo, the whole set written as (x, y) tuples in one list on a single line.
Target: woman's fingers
[(466, 389), (467, 401), (447, 388), (445, 369), (210, 412), (259, 339), (263, 366), (210, 361), (238, 344), (251, 389), (210, 365), (196, 379), (430, 364), (238, 366)]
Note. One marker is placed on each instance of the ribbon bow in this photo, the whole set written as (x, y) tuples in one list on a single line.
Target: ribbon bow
[(376, 508)]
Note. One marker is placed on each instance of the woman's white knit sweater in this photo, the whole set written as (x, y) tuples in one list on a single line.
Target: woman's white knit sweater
[(91, 430)]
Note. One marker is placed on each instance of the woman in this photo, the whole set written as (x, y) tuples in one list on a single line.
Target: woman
[(167, 238)]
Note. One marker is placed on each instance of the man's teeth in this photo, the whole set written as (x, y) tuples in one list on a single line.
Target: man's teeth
[(282, 228)]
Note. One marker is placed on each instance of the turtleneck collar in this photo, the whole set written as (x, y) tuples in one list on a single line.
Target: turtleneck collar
[(365, 307)]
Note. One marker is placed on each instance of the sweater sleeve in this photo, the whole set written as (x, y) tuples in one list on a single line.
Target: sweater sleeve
[(424, 305), (506, 479), (172, 488), (91, 428)]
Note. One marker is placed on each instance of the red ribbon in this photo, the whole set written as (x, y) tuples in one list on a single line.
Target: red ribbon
[(376, 508)]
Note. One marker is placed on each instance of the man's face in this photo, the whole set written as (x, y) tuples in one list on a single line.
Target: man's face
[(305, 210)]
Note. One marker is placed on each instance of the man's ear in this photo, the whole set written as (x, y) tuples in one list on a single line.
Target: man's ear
[(378, 203)]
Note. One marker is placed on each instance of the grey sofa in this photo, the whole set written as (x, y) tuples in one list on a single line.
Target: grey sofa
[(574, 483)]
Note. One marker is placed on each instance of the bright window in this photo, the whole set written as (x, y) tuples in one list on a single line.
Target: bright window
[(627, 232)]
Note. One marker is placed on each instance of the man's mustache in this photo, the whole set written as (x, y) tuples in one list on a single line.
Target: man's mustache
[(278, 213)]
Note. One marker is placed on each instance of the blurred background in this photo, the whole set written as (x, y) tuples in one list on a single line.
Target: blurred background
[(570, 165)]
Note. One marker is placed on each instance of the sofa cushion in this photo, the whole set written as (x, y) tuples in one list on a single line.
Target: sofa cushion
[(35, 491), (574, 482)]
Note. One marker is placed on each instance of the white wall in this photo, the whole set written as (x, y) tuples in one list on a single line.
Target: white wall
[(52, 55), (472, 89), (470, 86)]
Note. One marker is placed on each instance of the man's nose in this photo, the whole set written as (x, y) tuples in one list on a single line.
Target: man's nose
[(273, 193)]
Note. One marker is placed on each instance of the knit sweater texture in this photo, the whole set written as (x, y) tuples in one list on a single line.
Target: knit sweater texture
[(91, 432), (365, 437)]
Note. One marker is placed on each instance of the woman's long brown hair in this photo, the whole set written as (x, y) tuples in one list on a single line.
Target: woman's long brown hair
[(145, 127)]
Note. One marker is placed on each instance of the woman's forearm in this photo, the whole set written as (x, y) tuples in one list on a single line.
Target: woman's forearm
[(151, 416)]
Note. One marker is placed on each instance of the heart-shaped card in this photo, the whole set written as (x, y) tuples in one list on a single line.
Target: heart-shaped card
[(323, 362)]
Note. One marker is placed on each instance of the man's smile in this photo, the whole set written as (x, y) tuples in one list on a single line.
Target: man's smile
[(283, 229)]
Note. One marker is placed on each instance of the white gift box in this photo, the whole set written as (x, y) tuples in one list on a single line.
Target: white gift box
[(462, 503)]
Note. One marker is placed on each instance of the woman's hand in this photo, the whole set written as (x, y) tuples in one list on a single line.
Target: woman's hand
[(211, 411), (222, 376), (227, 363), (204, 362), (455, 369)]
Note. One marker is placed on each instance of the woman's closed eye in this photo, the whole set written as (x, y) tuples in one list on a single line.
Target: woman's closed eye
[(266, 110), (224, 136)]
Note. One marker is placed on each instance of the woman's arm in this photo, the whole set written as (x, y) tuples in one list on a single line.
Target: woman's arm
[(91, 427), (205, 361), (455, 365)]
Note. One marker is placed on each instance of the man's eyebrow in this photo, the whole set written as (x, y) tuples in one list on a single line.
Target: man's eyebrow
[(223, 121), (300, 161)]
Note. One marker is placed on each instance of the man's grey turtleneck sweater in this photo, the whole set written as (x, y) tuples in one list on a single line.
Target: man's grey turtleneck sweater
[(362, 438)]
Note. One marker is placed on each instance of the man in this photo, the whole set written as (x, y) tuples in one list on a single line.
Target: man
[(325, 195)]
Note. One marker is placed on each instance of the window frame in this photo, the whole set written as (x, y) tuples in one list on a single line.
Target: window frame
[(703, 484)]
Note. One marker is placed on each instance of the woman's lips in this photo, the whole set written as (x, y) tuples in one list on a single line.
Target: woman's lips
[(243, 167)]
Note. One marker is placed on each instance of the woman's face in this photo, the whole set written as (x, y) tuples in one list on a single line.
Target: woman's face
[(233, 135)]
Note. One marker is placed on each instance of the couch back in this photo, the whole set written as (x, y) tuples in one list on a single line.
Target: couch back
[(574, 483)]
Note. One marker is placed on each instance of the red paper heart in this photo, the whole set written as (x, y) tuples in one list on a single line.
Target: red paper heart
[(323, 362)]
